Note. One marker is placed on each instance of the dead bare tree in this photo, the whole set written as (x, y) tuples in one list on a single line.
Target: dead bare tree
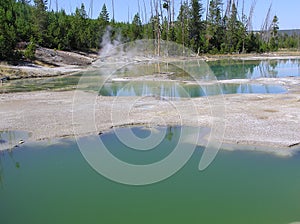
[(151, 8), (167, 6), (151, 19), (228, 8), (113, 9), (183, 33), (145, 12), (249, 21), (158, 31), (139, 8), (244, 21), (140, 11), (90, 13), (161, 11), (243, 13), (237, 3), (173, 12), (266, 27), (207, 10), (169, 15), (128, 14)]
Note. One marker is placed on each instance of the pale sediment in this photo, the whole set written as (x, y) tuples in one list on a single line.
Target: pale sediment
[(260, 120)]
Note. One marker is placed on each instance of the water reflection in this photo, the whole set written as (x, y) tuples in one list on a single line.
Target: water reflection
[(170, 133), (1, 170), (131, 155), (55, 183), (222, 69), (159, 89), (174, 90), (277, 68), (8, 141), (11, 139), (39, 84)]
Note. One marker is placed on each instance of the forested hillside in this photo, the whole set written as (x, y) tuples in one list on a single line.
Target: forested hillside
[(26, 24)]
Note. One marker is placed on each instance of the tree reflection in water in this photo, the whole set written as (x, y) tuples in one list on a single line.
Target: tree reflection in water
[(9, 140), (170, 133)]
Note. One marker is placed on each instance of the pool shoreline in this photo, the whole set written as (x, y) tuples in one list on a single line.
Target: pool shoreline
[(261, 120), (37, 69)]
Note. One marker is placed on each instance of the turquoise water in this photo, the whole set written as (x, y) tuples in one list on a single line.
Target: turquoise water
[(176, 90), (239, 69), (223, 70), (53, 183)]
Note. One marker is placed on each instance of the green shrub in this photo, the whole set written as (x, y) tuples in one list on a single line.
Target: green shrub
[(30, 50)]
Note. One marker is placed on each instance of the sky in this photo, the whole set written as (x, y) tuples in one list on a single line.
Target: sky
[(288, 11)]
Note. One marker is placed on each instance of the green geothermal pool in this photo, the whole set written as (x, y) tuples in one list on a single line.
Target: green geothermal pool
[(175, 90), (222, 70), (52, 183)]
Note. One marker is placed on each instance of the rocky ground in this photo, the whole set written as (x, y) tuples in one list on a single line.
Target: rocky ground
[(48, 63), (260, 120)]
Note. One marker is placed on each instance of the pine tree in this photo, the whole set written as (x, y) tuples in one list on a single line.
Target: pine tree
[(196, 26), (234, 32), (30, 50), (41, 20), (182, 27), (214, 27), (136, 28), (274, 34), (7, 29), (104, 16), (24, 21), (79, 28)]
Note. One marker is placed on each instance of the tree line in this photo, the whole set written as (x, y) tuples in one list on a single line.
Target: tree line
[(25, 24)]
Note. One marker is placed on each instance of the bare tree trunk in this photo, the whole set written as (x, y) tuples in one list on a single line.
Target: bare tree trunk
[(161, 11), (173, 12), (151, 7), (113, 9), (169, 19), (139, 8), (170, 13), (90, 14), (145, 11), (182, 31), (265, 32), (152, 26), (207, 10), (158, 26), (128, 15), (244, 24), (228, 9)]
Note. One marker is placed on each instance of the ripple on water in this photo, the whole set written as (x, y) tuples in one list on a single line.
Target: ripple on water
[(11, 139)]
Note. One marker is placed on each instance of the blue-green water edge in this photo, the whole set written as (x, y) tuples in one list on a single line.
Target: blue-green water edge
[(222, 70), (175, 90), (54, 184)]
